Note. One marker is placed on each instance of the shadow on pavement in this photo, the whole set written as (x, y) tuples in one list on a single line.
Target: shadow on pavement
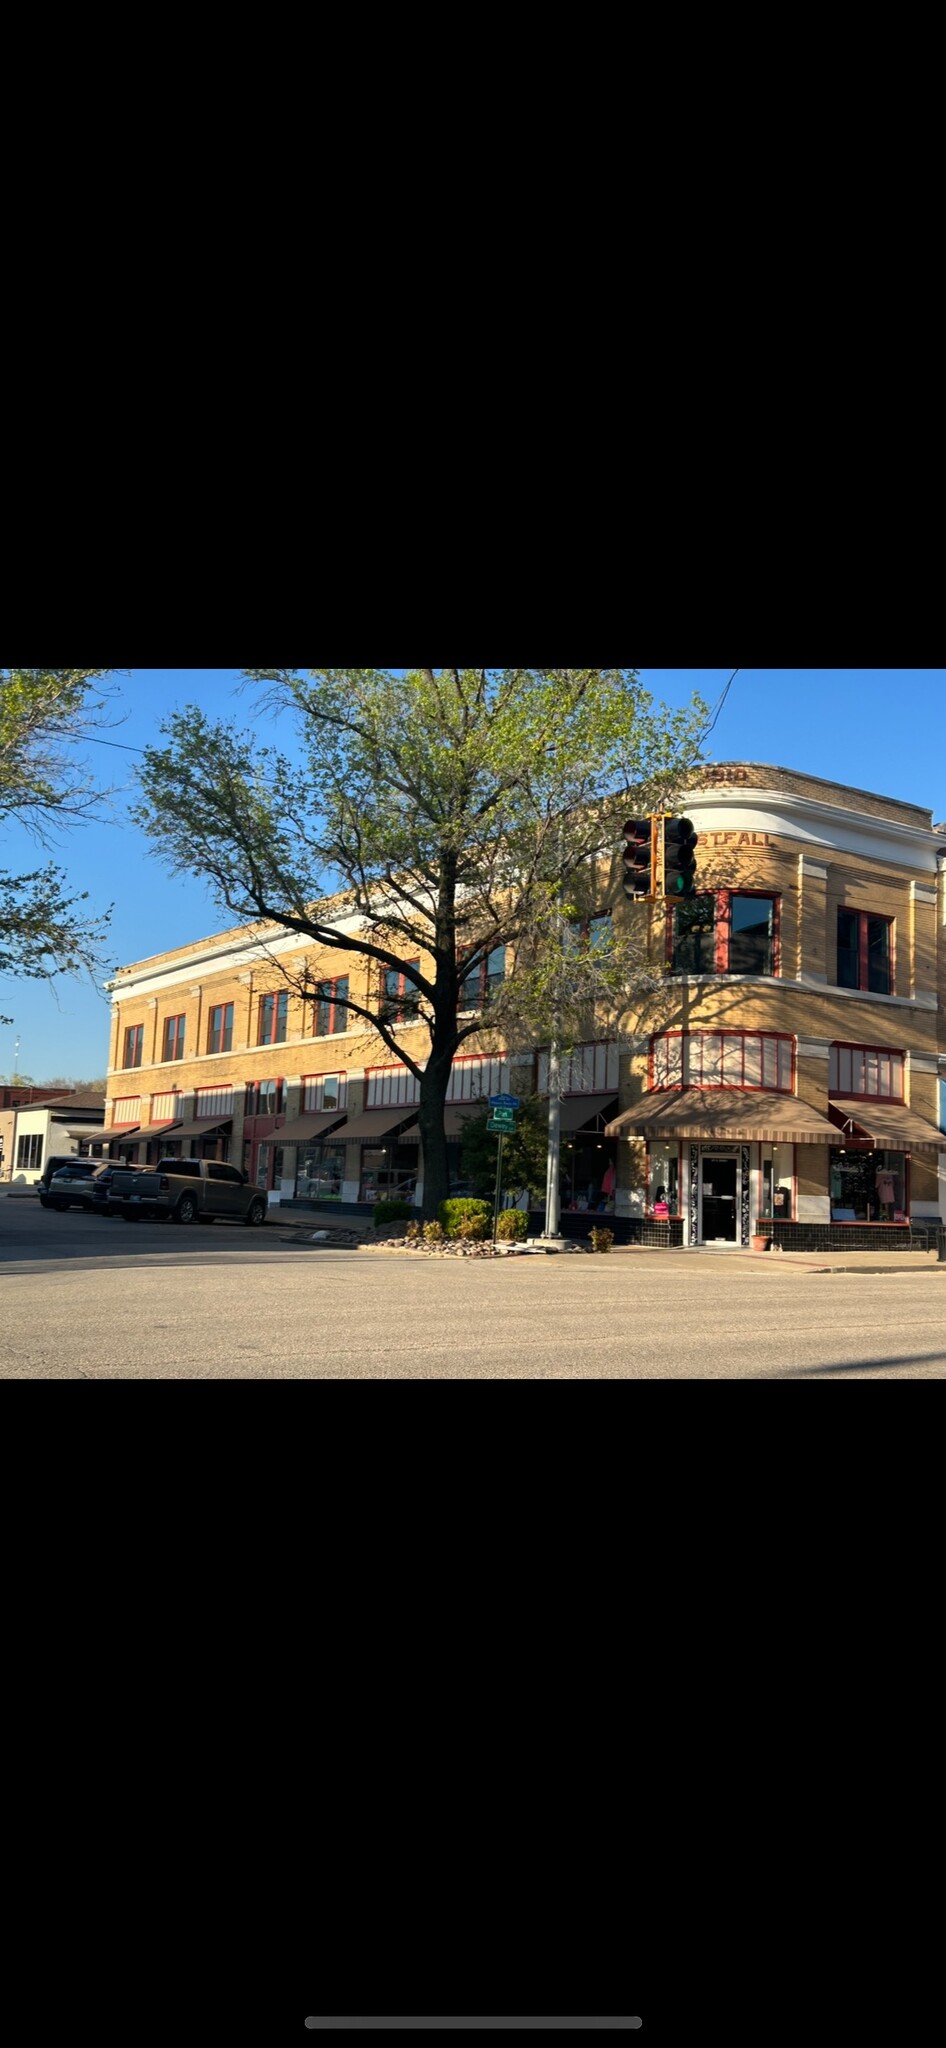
[(804, 1372)]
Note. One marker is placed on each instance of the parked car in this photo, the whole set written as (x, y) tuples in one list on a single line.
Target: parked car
[(71, 1185), (194, 1191), (53, 1164)]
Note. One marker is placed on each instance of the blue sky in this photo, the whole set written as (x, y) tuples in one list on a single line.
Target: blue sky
[(878, 729)]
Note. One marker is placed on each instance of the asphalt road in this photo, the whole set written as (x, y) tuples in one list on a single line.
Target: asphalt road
[(85, 1297)]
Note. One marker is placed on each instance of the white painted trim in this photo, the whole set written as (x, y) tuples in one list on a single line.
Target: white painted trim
[(922, 1062), (837, 827), (813, 1048)]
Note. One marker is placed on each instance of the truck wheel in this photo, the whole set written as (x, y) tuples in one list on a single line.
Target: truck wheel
[(186, 1211), (256, 1213), (61, 1206)]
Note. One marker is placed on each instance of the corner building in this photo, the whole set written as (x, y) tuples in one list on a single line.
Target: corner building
[(786, 1078)]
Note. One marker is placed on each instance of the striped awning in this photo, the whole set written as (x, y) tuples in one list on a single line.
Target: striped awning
[(724, 1113), (885, 1123), (304, 1129), (203, 1127), (98, 1137)]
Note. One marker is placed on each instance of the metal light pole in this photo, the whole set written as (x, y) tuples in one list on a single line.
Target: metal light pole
[(552, 1203)]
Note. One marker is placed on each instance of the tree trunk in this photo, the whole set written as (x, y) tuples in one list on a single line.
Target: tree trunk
[(433, 1095)]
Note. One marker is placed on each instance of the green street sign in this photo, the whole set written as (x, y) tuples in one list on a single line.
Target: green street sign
[(502, 1120)]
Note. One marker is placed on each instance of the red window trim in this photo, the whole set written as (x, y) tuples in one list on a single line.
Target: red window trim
[(339, 1074), (321, 995), (117, 1103), (722, 924), (135, 1032), (711, 1087), (894, 1052), (405, 987), (275, 996), (880, 917), (179, 1023), (219, 1010), (279, 1084)]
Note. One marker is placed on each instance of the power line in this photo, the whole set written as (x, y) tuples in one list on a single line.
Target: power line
[(720, 704)]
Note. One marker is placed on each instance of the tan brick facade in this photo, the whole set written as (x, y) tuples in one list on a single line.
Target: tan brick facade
[(816, 847)]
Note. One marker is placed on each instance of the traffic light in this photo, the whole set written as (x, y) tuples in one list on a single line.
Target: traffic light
[(638, 858), (679, 857)]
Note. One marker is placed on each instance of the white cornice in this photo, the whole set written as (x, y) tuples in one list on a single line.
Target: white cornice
[(817, 824)]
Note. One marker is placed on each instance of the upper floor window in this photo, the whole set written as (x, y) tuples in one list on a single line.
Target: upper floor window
[(722, 1059), (476, 988), (325, 1091), (167, 1108), (220, 1029), (134, 1041), (331, 1013), (173, 1038), (400, 994), (126, 1109), (263, 1098), (213, 1102), (273, 1018), (590, 1069), (865, 952), (733, 931), (869, 1070)]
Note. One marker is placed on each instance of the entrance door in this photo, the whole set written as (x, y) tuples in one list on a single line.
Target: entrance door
[(719, 1183)]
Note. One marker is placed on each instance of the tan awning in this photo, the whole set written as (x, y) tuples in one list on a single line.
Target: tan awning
[(723, 1113), (376, 1123), (885, 1123), (454, 1117), (305, 1128), (150, 1131), (98, 1137), (203, 1127), (579, 1110)]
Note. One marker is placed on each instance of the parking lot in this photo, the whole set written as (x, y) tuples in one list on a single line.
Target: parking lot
[(85, 1297)]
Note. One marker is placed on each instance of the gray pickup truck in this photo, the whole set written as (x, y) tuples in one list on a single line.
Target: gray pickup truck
[(191, 1191)]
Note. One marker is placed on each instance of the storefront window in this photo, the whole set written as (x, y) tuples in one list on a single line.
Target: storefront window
[(320, 1170), (587, 1169), (866, 1186), (663, 1177), (388, 1172)]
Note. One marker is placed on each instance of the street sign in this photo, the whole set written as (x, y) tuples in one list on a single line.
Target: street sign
[(503, 1121), (505, 1102)]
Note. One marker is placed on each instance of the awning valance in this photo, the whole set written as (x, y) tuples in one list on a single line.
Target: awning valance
[(168, 1130), (99, 1137), (304, 1129), (578, 1111), (885, 1123), (203, 1127), (376, 1123), (723, 1113)]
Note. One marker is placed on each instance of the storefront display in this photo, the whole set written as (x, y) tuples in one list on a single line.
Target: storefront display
[(867, 1186)]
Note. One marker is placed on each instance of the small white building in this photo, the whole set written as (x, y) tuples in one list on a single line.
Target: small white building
[(55, 1128)]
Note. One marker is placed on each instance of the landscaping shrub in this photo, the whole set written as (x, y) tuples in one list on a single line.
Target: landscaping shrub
[(433, 1233), (413, 1233), (602, 1239), (392, 1212), (514, 1225), (452, 1212), (472, 1227)]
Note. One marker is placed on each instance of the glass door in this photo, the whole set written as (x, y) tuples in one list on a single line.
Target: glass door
[(719, 1199)]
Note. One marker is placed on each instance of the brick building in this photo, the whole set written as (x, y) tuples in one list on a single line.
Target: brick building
[(786, 1071), (787, 1074)]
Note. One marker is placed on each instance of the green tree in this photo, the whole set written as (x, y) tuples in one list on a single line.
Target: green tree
[(448, 809), (45, 930), (525, 1151)]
